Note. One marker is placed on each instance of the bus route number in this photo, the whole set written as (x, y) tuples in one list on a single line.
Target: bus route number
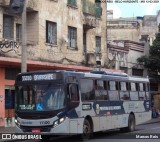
[(26, 78)]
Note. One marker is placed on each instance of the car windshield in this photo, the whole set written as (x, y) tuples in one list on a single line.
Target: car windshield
[(40, 97)]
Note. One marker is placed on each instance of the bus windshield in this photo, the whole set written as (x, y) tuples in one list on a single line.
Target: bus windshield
[(40, 97)]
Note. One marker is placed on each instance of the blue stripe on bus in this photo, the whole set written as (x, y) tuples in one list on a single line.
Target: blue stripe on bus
[(114, 107), (72, 114)]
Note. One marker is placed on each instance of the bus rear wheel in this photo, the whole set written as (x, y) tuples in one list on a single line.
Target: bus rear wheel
[(87, 130), (131, 123)]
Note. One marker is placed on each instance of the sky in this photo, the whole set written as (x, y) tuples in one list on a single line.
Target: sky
[(134, 9)]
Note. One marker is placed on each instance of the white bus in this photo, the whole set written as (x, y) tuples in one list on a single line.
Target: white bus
[(60, 102)]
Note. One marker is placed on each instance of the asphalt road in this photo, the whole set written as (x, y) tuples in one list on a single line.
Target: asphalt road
[(146, 131)]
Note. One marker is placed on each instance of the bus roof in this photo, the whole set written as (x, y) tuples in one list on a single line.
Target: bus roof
[(92, 74)]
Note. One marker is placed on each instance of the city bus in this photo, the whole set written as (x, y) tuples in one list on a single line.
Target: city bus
[(59, 102)]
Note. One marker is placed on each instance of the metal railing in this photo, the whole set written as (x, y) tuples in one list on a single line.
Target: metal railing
[(92, 8), (72, 2)]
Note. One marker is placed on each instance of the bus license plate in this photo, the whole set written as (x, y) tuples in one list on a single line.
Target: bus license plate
[(36, 130)]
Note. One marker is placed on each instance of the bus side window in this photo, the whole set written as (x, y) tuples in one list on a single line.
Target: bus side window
[(87, 89), (73, 92), (112, 92), (124, 94), (142, 91), (128, 86), (134, 91), (100, 92), (147, 91)]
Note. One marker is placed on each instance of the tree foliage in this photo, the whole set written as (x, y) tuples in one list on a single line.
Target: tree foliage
[(152, 62)]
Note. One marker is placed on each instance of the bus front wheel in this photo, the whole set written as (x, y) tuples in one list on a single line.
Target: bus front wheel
[(87, 130)]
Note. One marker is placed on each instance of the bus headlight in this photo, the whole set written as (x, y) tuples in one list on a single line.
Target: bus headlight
[(58, 121)]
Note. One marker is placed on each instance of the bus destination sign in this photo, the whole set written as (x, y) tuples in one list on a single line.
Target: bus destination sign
[(38, 77)]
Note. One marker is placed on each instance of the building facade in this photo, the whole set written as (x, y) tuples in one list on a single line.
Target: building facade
[(140, 33), (123, 54), (133, 28), (66, 34)]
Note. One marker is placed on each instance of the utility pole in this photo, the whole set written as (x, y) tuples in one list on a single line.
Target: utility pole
[(19, 7), (24, 40)]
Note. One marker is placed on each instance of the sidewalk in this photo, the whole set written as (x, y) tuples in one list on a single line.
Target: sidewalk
[(153, 120)]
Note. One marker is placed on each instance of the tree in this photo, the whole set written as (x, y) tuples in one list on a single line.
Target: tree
[(152, 62)]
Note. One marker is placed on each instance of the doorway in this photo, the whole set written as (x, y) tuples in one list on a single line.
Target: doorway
[(9, 106)]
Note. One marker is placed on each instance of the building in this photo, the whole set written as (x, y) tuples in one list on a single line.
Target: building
[(132, 28), (123, 54), (66, 34), (140, 33)]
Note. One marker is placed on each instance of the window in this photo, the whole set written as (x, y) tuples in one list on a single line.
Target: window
[(137, 72), (51, 32), (8, 24), (98, 9), (11, 73), (87, 89), (134, 91), (124, 94), (72, 36), (142, 91), (133, 87), (99, 84), (147, 91), (18, 32), (72, 2), (113, 90), (100, 92), (73, 91), (98, 44)]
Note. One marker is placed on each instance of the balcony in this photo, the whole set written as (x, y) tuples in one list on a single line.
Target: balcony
[(4, 3), (92, 8), (92, 13), (72, 3), (32, 5)]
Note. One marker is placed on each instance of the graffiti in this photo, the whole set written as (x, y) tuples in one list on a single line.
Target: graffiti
[(9, 44)]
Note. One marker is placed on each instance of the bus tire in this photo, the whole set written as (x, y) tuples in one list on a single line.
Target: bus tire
[(87, 130), (131, 123)]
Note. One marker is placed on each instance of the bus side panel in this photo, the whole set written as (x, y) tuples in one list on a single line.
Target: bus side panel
[(76, 126), (142, 117), (96, 123), (105, 122)]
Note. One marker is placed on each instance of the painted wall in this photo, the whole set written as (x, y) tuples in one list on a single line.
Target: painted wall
[(3, 83), (64, 15)]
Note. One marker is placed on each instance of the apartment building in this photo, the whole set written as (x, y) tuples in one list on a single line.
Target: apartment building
[(123, 54), (129, 39), (61, 34)]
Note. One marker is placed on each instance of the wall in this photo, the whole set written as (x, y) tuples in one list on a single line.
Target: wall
[(123, 34), (3, 82)]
